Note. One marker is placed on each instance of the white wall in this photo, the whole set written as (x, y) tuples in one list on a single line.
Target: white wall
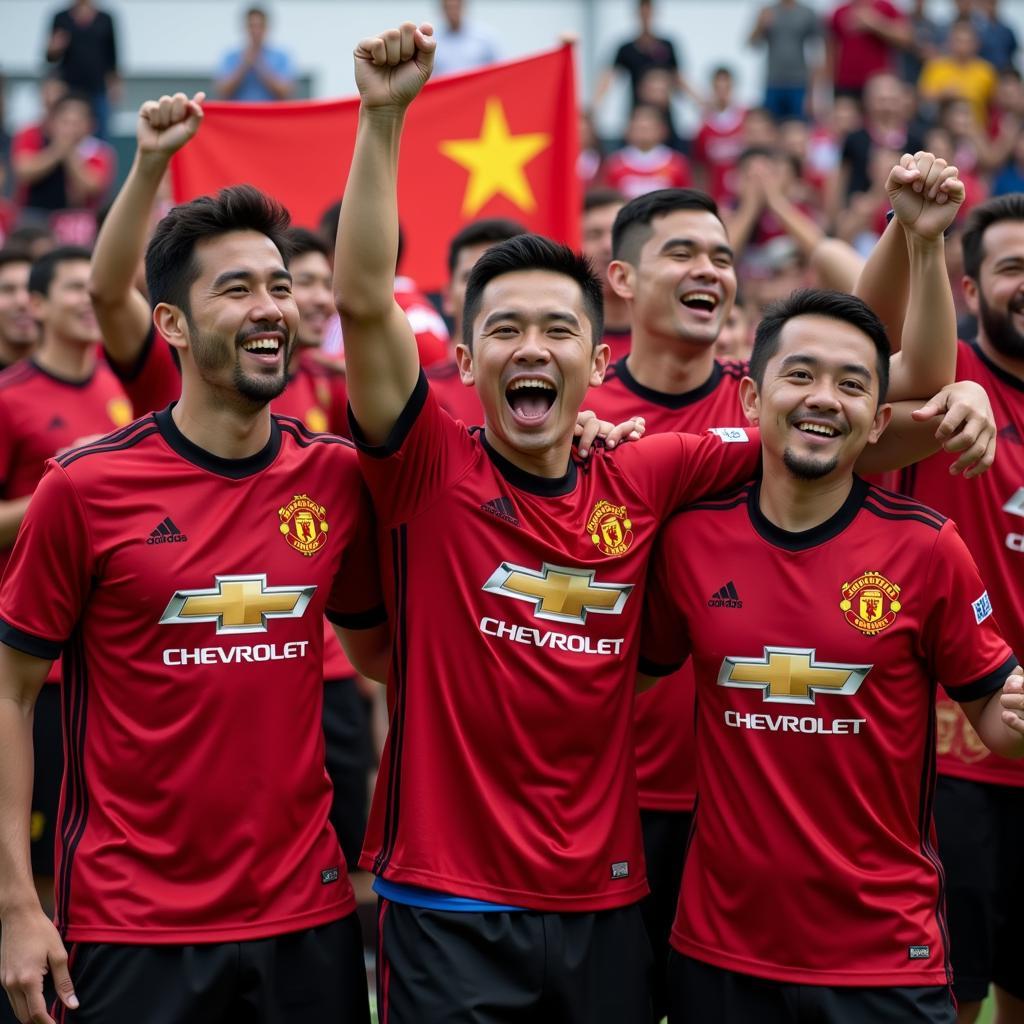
[(190, 35)]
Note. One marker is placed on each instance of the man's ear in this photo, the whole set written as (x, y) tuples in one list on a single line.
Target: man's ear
[(970, 290), (882, 418), (172, 323), (599, 366), (622, 278), (464, 358), (750, 400)]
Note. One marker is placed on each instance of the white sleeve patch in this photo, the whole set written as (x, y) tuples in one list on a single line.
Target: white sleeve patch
[(730, 434), (982, 608)]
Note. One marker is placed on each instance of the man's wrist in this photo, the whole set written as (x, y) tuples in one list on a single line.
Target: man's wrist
[(924, 245), (151, 163)]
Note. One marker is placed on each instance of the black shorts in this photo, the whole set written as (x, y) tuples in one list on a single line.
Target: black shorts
[(702, 994), (981, 842), (313, 975), (48, 756), (348, 752), (443, 967), (666, 834)]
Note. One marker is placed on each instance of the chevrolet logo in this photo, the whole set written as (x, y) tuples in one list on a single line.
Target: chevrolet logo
[(238, 604), (790, 675), (558, 593)]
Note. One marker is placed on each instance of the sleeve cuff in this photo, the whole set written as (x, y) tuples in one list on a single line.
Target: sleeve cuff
[(126, 374), (646, 667), (49, 650), (400, 431), (358, 620), (984, 686)]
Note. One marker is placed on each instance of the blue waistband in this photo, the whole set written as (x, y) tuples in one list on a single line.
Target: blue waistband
[(430, 899)]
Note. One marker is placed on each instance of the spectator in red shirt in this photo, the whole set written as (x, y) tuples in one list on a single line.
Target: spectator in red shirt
[(646, 163), (719, 140), (863, 38)]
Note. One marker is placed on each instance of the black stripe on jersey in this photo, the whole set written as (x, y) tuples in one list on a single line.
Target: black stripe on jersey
[(664, 398), (985, 685), (400, 431), (399, 660), (901, 517), (75, 696), (17, 374), (724, 502), (908, 480), (1005, 376), (731, 368), (27, 643), (358, 620), (901, 503), (926, 825), (304, 437), (126, 437)]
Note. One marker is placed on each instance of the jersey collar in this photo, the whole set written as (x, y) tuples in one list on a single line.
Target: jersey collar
[(544, 486), (663, 398), (1004, 375), (233, 469), (805, 539)]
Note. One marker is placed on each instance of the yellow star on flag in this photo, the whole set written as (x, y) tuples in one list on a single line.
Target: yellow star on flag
[(496, 161)]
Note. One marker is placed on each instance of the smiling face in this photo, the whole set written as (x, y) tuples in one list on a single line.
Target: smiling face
[(18, 330), (683, 283), (817, 405), (997, 298), (597, 238), (243, 318), (532, 361), (65, 312), (311, 289)]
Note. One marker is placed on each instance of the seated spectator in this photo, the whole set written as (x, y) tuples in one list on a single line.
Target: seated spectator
[(461, 44), (760, 128), (1011, 177), (646, 163), (58, 164), (256, 72), (959, 73), (720, 139)]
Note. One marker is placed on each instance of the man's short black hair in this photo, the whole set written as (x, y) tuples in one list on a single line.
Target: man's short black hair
[(489, 230), (633, 224), (259, 12), (300, 241), (171, 265), (979, 220), (819, 302), (27, 235), (13, 254), (72, 97), (533, 252), (601, 196), (44, 270)]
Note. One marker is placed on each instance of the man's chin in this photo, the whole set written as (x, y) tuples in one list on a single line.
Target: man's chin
[(808, 467)]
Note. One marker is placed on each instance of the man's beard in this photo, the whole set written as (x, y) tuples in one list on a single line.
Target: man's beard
[(211, 357), (999, 330), (808, 467)]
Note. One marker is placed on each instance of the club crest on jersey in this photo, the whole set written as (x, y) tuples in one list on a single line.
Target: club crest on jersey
[(120, 411), (304, 524), (870, 603), (610, 528)]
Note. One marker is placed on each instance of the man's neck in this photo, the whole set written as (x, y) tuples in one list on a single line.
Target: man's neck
[(673, 369), (1004, 362), (221, 424), (550, 463), (616, 313), (797, 505), (10, 353), (69, 360)]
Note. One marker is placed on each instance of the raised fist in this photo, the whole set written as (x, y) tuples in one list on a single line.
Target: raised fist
[(392, 67), (166, 124), (925, 193)]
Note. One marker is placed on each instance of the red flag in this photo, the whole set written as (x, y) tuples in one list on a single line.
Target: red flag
[(500, 141)]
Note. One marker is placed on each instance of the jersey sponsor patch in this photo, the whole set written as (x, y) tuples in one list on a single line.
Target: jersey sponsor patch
[(870, 603), (791, 675), (237, 604), (558, 593), (982, 608), (919, 952), (610, 528), (730, 435)]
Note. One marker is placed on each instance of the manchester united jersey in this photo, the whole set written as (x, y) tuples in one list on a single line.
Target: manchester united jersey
[(186, 593), (665, 763), (508, 771), (812, 857), (989, 511), (460, 402)]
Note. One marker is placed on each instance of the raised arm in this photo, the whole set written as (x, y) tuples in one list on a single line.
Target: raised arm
[(163, 127), (381, 359)]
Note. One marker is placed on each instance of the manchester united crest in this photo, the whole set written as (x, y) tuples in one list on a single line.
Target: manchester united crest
[(610, 528), (870, 603), (304, 524)]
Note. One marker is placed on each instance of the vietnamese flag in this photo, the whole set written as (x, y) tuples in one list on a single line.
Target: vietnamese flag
[(499, 141)]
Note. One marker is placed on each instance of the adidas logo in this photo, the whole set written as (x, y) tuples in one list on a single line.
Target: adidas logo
[(1010, 434), (502, 508), (166, 533), (726, 597)]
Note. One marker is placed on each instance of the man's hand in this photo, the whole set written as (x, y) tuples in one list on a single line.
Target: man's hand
[(1011, 700), (392, 68), (925, 194), (29, 949), (589, 428), (968, 426), (166, 124)]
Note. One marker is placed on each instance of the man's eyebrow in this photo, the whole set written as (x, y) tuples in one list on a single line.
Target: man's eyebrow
[(721, 249), (800, 358), (280, 273)]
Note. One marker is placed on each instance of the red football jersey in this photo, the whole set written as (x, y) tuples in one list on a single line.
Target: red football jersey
[(989, 512), (718, 145), (186, 593), (634, 173), (459, 401), (619, 342), (42, 415), (666, 767), (812, 856), (508, 771)]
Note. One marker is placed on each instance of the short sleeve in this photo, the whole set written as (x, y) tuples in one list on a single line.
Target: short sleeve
[(964, 648), (7, 442), (425, 451), (49, 575), (356, 600), (153, 381), (664, 633)]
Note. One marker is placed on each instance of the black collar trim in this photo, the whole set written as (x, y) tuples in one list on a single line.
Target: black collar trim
[(544, 486), (1004, 375), (64, 380), (233, 469), (806, 539), (663, 398)]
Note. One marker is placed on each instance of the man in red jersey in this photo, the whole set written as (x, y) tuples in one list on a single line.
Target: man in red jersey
[(819, 613), (600, 207), (183, 565), (674, 268), (979, 807), (19, 332)]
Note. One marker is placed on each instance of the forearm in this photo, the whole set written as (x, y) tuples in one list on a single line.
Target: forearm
[(29, 168), (927, 358), (228, 85), (83, 182), (994, 732), (904, 442), (742, 221), (281, 87), (17, 890), (801, 228), (11, 514), (836, 264), (884, 281)]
